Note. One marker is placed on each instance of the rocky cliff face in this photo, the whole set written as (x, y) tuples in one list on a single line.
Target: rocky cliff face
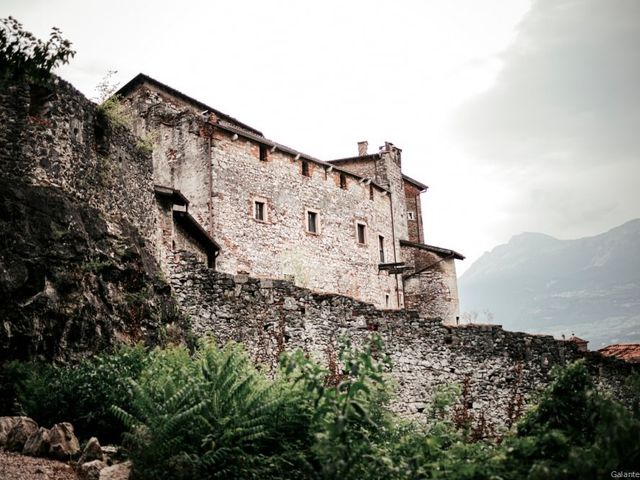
[(71, 281), (76, 207)]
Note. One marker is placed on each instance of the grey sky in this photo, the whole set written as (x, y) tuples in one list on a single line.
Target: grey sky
[(518, 116), (561, 125)]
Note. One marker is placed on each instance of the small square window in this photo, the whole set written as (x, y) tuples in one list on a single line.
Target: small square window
[(362, 235), (259, 211), (312, 222), (305, 168), (411, 216)]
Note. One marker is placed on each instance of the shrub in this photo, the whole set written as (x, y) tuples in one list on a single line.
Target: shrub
[(207, 416), (81, 394)]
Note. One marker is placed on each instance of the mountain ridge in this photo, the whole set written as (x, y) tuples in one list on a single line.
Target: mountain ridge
[(537, 283)]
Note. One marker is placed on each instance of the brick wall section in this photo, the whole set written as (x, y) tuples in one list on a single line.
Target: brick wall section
[(425, 353), (412, 200), (57, 138)]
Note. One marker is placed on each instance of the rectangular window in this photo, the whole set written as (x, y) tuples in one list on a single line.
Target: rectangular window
[(305, 168), (381, 246), (264, 153), (343, 181), (259, 211), (312, 222), (411, 216), (361, 233)]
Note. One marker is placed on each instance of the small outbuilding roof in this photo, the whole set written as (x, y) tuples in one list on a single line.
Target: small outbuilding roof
[(193, 227), (172, 194), (440, 251)]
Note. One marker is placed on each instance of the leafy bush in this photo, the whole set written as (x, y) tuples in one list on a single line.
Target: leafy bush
[(347, 405), (22, 55), (211, 414), (574, 432), (207, 416), (81, 394)]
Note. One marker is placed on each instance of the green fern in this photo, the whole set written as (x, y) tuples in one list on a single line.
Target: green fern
[(206, 416)]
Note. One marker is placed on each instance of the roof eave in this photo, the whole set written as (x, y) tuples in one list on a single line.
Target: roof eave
[(433, 249)]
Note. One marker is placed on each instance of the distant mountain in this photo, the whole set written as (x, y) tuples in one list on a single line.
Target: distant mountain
[(539, 284)]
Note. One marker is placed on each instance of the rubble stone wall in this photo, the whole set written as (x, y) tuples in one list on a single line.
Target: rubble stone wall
[(501, 366), (57, 138)]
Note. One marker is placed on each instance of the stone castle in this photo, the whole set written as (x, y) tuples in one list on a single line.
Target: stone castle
[(103, 241), (351, 226)]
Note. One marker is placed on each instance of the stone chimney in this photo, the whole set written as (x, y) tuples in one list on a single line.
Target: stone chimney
[(362, 148)]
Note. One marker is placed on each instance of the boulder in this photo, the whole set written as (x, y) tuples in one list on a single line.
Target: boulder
[(119, 471), (37, 445), (90, 470), (6, 425), (92, 451), (20, 433), (64, 444)]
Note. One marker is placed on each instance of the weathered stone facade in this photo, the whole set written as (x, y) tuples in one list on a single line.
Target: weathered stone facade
[(255, 198), (430, 287), (503, 368)]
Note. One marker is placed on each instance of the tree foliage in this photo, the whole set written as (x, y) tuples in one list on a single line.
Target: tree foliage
[(22, 55)]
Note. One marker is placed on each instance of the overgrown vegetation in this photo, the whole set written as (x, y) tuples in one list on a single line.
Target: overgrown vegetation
[(110, 104), (81, 394), (211, 414), (22, 55)]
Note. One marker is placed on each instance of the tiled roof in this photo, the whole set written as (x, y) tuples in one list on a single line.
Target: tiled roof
[(629, 352)]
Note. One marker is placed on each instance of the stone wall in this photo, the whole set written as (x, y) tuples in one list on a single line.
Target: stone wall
[(57, 138), (432, 288), (268, 315)]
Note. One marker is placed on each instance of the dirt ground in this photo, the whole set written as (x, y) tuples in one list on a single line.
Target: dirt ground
[(19, 467)]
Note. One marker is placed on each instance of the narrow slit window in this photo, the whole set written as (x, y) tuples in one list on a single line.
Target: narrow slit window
[(370, 192), (411, 216), (305, 168), (386, 300), (264, 153), (312, 222), (361, 233), (343, 181), (381, 246), (259, 211)]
